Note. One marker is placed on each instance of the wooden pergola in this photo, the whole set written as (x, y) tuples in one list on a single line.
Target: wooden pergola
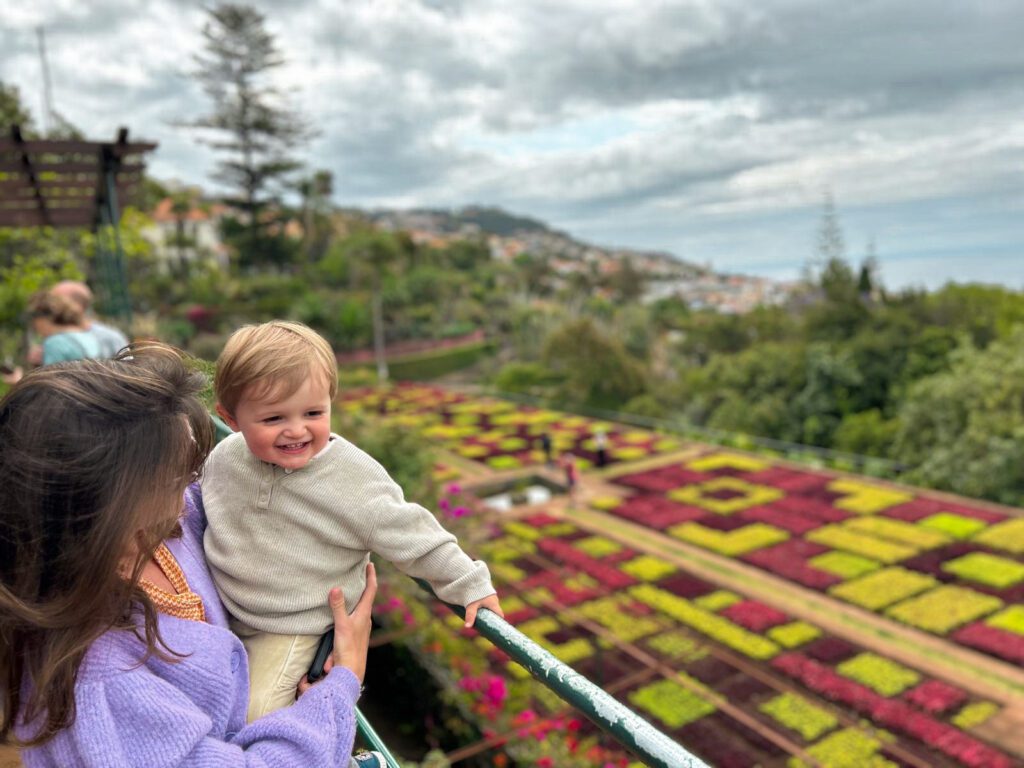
[(71, 183)]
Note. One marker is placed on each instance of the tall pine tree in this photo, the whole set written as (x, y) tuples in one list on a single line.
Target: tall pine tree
[(251, 125)]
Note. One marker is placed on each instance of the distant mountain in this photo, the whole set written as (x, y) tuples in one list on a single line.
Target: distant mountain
[(481, 219), (528, 235)]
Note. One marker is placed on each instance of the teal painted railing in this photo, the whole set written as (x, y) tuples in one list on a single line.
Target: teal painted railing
[(372, 741), (607, 713), (220, 429)]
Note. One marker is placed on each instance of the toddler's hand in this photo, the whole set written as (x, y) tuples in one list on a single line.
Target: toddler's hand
[(490, 602)]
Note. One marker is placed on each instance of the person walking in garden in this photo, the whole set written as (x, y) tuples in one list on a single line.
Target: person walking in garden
[(294, 508), (571, 477), (114, 647), (601, 447), (545, 444)]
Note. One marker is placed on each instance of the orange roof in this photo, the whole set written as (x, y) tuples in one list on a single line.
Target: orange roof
[(163, 212)]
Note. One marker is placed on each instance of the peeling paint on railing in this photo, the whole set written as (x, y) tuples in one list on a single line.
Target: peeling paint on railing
[(623, 724), (631, 730)]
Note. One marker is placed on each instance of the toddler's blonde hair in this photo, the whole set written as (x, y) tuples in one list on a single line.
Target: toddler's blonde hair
[(272, 359)]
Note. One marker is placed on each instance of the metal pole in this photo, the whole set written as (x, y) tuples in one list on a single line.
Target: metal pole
[(119, 288), (373, 741)]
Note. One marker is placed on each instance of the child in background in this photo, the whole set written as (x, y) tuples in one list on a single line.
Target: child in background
[(294, 510)]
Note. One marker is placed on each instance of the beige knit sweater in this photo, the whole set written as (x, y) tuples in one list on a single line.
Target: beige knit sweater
[(278, 540)]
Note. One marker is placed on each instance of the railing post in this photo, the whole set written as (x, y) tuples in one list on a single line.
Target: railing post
[(373, 741)]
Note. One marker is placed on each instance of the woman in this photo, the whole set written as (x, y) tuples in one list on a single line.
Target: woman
[(114, 648), (61, 323)]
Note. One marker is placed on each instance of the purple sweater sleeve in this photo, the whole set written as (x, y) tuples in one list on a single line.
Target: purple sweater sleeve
[(138, 720)]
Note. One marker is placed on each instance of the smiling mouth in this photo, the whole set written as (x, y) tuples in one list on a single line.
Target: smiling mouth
[(292, 447)]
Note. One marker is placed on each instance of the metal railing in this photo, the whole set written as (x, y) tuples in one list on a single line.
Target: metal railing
[(374, 742), (607, 713)]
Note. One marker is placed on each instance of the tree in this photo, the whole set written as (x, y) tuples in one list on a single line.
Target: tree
[(315, 191), (963, 429), (12, 112), (252, 127), (597, 370), (830, 244), (627, 282), (370, 256), (868, 283)]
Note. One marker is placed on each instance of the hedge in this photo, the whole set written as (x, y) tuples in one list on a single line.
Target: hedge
[(430, 365)]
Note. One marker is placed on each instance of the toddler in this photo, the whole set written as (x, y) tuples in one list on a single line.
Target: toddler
[(294, 510)]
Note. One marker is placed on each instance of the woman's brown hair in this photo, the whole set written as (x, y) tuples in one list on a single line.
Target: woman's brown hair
[(94, 458)]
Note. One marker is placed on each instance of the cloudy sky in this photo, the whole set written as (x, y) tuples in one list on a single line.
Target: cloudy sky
[(709, 128)]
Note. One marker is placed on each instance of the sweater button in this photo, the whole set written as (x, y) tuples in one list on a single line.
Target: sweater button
[(236, 659)]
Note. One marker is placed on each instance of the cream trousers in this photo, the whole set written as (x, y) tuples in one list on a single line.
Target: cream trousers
[(276, 665)]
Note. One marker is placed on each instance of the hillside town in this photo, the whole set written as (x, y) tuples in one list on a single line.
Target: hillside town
[(192, 232)]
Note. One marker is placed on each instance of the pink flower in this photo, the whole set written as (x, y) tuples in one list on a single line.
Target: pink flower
[(526, 716), (453, 489), (391, 605), (496, 691), (545, 762), (444, 505), (459, 512)]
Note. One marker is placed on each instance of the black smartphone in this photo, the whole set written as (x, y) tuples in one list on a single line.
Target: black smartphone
[(323, 650)]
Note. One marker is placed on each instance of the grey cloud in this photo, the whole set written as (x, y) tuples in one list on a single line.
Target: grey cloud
[(880, 101)]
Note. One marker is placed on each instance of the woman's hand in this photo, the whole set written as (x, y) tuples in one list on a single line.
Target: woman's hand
[(351, 631), (490, 602)]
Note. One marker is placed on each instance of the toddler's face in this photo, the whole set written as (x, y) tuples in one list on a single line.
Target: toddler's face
[(289, 431)]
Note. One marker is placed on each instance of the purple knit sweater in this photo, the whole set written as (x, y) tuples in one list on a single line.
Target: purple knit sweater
[(192, 713)]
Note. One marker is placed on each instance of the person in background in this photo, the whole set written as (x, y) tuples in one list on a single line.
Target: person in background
[(111, 339), (601, 446), (545, 444), (571, 469), (61, 324), (114, 647), (57, 318)]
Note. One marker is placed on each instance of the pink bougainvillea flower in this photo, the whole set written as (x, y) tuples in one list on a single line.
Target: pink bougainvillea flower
[(526, 716), (496, 692), (391, 605)]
